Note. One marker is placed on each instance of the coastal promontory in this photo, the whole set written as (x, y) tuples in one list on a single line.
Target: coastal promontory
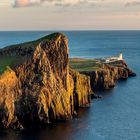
[(39, 84)]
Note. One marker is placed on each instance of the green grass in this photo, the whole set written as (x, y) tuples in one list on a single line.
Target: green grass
[(9, 61), (84, 64), (34, 43)]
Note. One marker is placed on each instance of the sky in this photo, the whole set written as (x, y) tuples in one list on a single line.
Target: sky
[(69, 15)]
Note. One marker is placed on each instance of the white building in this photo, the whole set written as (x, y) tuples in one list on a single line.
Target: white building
[(114, 58)]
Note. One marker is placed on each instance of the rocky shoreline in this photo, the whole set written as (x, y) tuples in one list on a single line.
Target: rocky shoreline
[(40, 86), (107, 78)]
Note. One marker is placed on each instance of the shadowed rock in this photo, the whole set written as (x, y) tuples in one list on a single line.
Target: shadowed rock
[(108, 75)]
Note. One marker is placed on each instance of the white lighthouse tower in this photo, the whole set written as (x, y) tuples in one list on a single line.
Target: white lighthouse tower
[(121, 56)]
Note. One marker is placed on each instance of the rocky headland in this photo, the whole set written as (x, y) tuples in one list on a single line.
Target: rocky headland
[(39, 84)]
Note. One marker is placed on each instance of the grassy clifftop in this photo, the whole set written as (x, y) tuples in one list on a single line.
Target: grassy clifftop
[(32, 44), (39, 86), (14, 55), (80, 64), (10, 61)]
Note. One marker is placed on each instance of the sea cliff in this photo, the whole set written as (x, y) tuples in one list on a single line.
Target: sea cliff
[(108, 75), (39, 85)]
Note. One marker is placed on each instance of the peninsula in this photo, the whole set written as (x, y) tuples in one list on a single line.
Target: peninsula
[(39, 84)]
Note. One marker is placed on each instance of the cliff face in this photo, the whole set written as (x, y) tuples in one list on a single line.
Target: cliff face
[(41, 89), (82, 91), (107, 77), (8, 97)]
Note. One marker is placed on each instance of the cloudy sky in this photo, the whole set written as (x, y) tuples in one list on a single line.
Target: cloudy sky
[(69, 14)]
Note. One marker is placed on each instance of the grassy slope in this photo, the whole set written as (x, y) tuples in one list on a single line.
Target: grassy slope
[(84, 64), (33, 43), (12, 61), (9, 61)]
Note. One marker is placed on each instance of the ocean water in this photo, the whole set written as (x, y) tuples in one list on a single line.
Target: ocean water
[(114, 117)]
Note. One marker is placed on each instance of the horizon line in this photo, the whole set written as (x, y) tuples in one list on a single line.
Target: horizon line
[(59, 30)]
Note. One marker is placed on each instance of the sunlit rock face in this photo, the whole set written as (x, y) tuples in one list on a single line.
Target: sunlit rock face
[(41, 89), (107, 77)]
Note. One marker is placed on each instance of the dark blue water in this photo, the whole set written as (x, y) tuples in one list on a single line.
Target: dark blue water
[(114, 117)]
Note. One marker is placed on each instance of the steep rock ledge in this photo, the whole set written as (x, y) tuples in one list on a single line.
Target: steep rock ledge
[(41, 89), (107, 77), (82, 91)]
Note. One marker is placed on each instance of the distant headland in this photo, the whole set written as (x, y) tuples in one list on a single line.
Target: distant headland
[(40, 84)]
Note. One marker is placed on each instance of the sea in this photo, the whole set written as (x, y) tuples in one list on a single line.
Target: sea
[(116, 116)]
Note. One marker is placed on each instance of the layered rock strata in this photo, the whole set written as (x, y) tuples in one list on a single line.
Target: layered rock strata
[(41, 89), (39, 86)]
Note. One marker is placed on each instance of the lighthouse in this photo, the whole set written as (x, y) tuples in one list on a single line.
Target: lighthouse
[(114, 58), (121, 56)]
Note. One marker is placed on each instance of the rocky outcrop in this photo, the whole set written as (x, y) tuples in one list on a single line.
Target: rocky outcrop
[(107, 77), (82, 91), (8, 98), (42, 89)]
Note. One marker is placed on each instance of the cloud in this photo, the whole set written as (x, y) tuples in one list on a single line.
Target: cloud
[(26, 3), (133, 3)]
